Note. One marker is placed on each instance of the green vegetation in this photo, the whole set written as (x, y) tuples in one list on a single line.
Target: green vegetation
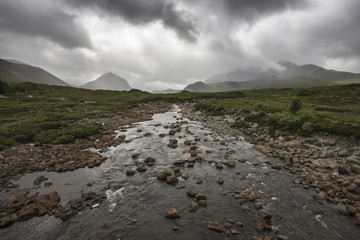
[(32, 112), (334, 109)]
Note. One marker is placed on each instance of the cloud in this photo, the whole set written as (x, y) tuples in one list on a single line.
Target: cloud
[(251, 10), (141, 12), (38, 19)]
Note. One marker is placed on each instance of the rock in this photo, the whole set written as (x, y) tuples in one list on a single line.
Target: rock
[(130, 172), (135, 155), (179, 162), (200, 197), (176, 228), (256, 238), (222, 142), (173, 143), (6, 221), (39, 179), (227, 225), (177, 170), (149, 161), (258, 205), (231, 221), (162, 135), (172, 214), (343, 170), (203, 203), (230, 163), (191, 193), (180, 187), (216, 226), (193, 206), (187, 142), (352, 187), (220, 181), (163, 175), (245, 208), (357, 219), (219, 165), (48, 184), (141, 168), (233, 231), (240, 224), (265, 214), (171, 179), (196, 138), (344, 153), (199, 181), (190, 165)]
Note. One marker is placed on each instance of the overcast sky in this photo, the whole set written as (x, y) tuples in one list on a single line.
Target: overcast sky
[(160, 44)]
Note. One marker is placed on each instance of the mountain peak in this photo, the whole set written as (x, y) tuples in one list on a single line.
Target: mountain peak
[(108, 81)]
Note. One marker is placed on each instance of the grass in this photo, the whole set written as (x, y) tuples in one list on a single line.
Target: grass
[(32, 112), (334, 109)]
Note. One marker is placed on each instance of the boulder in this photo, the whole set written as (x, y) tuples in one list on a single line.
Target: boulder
[(130, 172), (163, 175), (193, 206), (191, 193), (230, 163), (171, 179), (217, 227), (172, 214)]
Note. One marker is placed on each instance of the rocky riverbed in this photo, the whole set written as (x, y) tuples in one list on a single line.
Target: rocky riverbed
[(177, 175)]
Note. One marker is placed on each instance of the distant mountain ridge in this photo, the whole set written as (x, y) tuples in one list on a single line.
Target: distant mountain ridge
[(14, 71), (166, 91), (294, 76), (108, 81)]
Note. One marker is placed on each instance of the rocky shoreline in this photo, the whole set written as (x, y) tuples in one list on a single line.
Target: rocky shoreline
[(28, 158), (328, 164)]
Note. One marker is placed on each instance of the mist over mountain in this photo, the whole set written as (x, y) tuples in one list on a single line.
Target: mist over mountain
[(293, 76), (108, 81), (14, 71)]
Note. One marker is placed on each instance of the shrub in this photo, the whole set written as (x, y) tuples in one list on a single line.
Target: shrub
[(240, 124), (259, 118), (295, 106)]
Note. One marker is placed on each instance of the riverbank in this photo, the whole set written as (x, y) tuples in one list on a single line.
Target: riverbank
[(330, 164)]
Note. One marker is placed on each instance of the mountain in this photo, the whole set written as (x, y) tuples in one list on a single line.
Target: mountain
[(241, 75), (108, 81), (167, 91), (292, 77), (13, 71)]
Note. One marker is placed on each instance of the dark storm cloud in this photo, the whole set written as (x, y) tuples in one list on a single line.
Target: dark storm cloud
[(26, 18), (146, 11), (251, 10)]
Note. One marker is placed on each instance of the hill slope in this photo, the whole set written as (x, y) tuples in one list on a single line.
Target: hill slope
[(13, 71), (108, 81), (294, 77)]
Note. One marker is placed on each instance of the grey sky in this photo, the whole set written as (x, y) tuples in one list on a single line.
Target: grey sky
[(159, 44)]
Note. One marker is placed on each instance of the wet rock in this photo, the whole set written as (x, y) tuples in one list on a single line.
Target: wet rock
[(275, 165), (193, 206), (139, 130), (177, 170), (196, 138), (191, 165), (357, 219), (200, 197), (227, 225), (216, 226), (222, 142), (130, 172), (240, 224), (343, 170), (208, 151), (265, 214), (141, 168), (352, 187), (172, 214), (180, 187), (231, 221), (39, 179), (179, 162), (48, 184), (173, 143), (135, 155), (162, 135), (344, 153), (191, 193), (6, 221), (163, 175), (233, 231), (220, 181), (219, 165), (199, 181), (187, 142), (203, 203), (171, 179), (258, 205), (245, 208), (256, 238), (149, 161), (176, 228), (230, 163)]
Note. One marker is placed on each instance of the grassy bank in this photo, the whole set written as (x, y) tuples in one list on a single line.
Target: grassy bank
[(334, 109), (49, 114)]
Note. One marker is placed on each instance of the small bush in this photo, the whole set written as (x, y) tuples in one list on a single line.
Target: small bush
[(240, 124), (259, 118), (295, 106)]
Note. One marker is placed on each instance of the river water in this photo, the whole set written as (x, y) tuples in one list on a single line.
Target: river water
[(135, 206)]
